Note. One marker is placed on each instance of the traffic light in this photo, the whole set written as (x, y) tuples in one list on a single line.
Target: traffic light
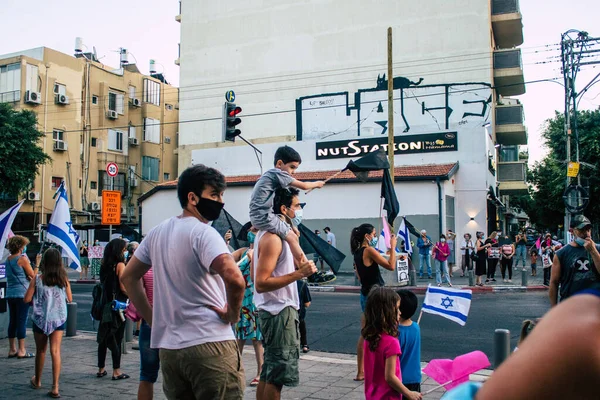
[(230, 121)]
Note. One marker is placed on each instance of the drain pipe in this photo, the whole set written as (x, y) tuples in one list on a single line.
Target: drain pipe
[(439, 185)]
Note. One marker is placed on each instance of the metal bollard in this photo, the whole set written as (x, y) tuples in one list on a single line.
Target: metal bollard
[(501, 346), (71, 328), (412, 278), (524, 277), (471, 278), (129, 324)]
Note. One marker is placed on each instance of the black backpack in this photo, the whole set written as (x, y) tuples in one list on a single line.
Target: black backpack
[(98, 301)]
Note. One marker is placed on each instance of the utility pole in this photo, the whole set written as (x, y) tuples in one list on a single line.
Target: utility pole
[(575, 46), (390, 106)]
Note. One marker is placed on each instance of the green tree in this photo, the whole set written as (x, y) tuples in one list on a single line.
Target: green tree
[(20, 154), (548, 176)]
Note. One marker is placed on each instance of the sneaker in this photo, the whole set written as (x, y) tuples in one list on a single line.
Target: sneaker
[(421, 276), (329, 273), (503, 280), (487, 281), (510, 280), (430, 277), (493, 279)]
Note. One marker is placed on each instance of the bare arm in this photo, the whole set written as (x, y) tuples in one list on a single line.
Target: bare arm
[(131, 278), (30, 291), (590, 246), (306, 185), (377, 258), (554, 281), (69, 293), (270, 248), (235, 285), (120, 268), (237, 255), (395, 383), (24, 263)]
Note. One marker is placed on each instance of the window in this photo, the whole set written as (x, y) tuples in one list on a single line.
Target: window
[(115, 140), (151, 92), (115, 102), (94, 142), (94, 99), (93, 185), (150, 168), (10, 83), (169, 107), (132, 92), (31, 83), (80, 184), (58, 135), (166, 176), (151, 130), (132, 131), (119, 182), (56, 181), (59, 88)]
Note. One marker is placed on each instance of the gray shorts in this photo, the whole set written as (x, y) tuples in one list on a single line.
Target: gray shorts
[(282, 347)]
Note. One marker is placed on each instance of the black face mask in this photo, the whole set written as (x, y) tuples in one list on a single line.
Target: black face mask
[(210, 209)]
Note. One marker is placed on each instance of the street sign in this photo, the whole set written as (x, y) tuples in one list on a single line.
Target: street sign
[(111, 207), (572, 169), (112, 169), (230, 96)]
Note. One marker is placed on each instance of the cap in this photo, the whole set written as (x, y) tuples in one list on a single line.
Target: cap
[(580, 221)]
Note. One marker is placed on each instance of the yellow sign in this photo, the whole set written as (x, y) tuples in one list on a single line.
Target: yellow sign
[(572, 169), (111, 207)]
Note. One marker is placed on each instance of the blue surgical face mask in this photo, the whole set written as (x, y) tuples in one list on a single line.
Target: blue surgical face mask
[(125, 255), (25, 250), (373, 242), (579, 241), (251, 236), (297, 220)]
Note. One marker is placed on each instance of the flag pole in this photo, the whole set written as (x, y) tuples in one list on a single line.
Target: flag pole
[(437, 387), (390, 107), (419, 319), (327, 180)]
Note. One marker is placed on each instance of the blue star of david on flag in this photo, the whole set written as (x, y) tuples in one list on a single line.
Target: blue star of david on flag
[(447, 302), (450, 303)]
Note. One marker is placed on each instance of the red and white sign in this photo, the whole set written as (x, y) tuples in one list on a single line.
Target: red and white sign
[(112, 169)]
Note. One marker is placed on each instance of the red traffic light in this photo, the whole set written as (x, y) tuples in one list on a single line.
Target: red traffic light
[(235, 111)]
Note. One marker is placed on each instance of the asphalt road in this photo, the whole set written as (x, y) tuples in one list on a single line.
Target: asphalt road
[(333, 322)]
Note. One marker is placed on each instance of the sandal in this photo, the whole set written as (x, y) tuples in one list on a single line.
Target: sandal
[(32, 383), (119, 377), (27, 355), (12, 355), (54, 395), (254, 382), (101, 374)]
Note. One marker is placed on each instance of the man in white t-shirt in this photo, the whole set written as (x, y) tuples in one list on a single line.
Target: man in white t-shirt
[(276, 298), (198, 292), (330, 236)]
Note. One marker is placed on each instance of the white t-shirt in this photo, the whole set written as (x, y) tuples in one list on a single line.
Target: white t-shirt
[(331, 239), (181, 251), (275, 301)]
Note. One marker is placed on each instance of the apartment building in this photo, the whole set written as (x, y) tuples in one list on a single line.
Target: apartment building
[(92, 114)]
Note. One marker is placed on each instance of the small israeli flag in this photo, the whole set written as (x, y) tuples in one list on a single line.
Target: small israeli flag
[(6, 220), (60, 228), (404, 235), (450, 303)]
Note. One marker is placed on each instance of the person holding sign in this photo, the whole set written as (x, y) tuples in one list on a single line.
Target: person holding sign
[(367, 260), (493, 256), (441, 252)]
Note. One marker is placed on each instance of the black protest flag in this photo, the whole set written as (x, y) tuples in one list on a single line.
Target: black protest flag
[(371, 162), (226, 222), (388, 193), (311, 243), (411, 228)]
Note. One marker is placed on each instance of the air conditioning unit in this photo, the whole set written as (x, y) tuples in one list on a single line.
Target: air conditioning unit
[(134, 182), (112, 114), (94, 206), (167, 140), (133, 141), (33, 196), (62, 99), (60, 145), (135, 102), (33, 97)]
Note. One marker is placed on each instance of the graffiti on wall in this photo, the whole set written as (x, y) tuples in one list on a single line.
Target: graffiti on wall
[(418, 109)]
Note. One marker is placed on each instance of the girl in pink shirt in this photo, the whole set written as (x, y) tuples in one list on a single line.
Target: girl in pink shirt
[(383, 378)]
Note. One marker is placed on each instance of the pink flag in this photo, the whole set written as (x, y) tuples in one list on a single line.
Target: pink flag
[(451, 373), (538, 244), (386, 233)]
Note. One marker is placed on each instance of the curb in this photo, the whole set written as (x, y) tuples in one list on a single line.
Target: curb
[(83, 281), (423, 289)]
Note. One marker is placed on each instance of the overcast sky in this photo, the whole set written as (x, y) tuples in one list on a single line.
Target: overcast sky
[(148, 30)]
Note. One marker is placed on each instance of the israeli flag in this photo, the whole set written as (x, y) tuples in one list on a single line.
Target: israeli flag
[(404, 235), (6, 220), (60, 228), (450, 303), (381, 246)]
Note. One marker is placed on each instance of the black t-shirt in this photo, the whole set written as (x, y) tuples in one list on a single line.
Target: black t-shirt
[(577, 271), (369, 275)]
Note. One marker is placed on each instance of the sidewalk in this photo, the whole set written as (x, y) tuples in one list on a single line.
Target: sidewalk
[(322, 375)]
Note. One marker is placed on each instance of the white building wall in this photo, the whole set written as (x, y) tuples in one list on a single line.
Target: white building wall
[(277, 52)]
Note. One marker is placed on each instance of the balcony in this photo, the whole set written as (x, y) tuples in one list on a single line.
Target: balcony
[(510, 128), (507, 23), (512, 176), (508, 72)]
